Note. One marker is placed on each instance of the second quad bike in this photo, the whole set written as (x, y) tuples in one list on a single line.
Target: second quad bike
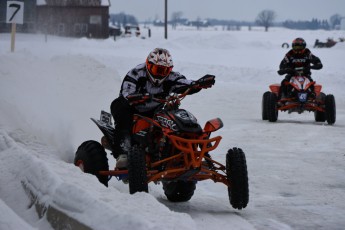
[(170, 148), (300, 98)]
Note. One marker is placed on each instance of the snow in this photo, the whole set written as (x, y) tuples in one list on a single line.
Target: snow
[(49, 90), (102, 2), (105, 3)]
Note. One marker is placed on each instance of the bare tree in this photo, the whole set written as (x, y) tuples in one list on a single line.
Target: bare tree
[(265, 18), (335, 20), (175, 17)]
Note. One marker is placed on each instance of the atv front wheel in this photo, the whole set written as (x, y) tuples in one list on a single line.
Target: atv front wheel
[(179, 191), (330, 109), (92, 158), (264, 105), (272, 110), (319, 116), (236, 171), (137, 172)]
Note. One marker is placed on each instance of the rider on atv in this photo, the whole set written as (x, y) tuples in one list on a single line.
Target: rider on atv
[(299, 56), (154, 78)]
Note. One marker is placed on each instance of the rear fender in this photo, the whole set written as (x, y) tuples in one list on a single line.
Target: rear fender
[(108, 132), (106, 128), (213, 125)]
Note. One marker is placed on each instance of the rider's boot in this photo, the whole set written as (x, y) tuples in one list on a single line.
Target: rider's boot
[(121, 161), (121, 148)]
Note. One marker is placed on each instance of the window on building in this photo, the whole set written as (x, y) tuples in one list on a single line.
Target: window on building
[(84, 28), (96, 19), (80, 29), (77, 29), (61, 28)]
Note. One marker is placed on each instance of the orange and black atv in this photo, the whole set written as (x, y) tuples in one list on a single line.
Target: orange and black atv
[(300, 98), (171, 148)]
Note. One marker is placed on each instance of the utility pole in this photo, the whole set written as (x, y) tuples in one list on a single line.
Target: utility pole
[(166, 20)]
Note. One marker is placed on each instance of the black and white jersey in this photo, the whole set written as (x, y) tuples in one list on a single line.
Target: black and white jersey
[(136, 81), (293, 60)]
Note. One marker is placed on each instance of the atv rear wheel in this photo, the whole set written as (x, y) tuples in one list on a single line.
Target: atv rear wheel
[(179, 191), (272, 110), (330, 109), (236, 171), (92, 158), (137, 172), (264, 105), (319, 115)]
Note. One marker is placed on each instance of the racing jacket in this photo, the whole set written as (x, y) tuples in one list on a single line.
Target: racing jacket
[(136, 81), (293, 60)]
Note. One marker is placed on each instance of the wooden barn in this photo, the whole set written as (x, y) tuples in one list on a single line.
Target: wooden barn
[(74, 18)]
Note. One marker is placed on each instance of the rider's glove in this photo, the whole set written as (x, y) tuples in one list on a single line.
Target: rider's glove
[(139, 98), (316, 66), (286, 71), (281, 71), (206, 81)]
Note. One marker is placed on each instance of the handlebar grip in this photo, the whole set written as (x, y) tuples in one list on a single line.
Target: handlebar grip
[(135, 99)]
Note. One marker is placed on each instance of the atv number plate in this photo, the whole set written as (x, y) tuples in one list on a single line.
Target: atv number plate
[(105, 117), (302, 97)]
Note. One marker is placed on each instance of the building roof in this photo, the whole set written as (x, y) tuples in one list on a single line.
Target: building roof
[(73, 2), (105, 2)]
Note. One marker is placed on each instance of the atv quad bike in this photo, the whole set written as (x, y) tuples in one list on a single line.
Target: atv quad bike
[(170, 148), (299, 99)]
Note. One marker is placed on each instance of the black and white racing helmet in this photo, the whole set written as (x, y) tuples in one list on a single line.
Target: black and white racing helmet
[(159, 65)]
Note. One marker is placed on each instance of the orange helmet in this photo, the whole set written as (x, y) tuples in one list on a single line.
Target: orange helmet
[(159, 65)]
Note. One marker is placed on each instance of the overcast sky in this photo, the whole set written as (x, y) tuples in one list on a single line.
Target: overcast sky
[(230, 9)]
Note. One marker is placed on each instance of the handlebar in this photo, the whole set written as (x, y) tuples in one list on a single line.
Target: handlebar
[(298, 71), (136, 99), (174, 98)]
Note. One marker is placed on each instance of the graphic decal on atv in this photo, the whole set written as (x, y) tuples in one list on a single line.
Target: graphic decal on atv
[(167, 123)]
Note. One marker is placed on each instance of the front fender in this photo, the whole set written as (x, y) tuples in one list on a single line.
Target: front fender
[(213, 125)]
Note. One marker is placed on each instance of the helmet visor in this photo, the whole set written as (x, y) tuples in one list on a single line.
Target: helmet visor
[(159, 71), (298, 47)]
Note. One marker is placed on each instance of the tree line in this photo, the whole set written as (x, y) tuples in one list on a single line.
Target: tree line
[(265, 18), (314, 24)]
